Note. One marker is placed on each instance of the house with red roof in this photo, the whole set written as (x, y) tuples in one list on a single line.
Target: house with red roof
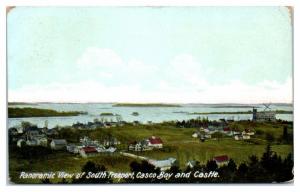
[(221, 160), (88, 151), (227, 131), (155, 142), (146, 144)]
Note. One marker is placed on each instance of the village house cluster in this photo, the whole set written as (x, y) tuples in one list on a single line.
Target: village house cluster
[(89, 148), (30, 135), (146, 144), (103, 122), (222, 126)]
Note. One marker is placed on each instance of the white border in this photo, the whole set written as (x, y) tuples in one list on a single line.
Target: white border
[(131, 188)]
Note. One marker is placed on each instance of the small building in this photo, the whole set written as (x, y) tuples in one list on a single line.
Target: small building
[(105, 150), (195, 135), (88, 152), (191, 163), (263, 116), (110, 149), (31, 128), (155, 142), (51, 132), (44, 130), (58, 144), (139, 146), (86, 141), (42, 141), (238, 137), (79, 125), (111, 141), (32, 134), (163, 164), (32, 142), (13, 131), (207, 136), (21, 142), (227, 131), (221, 160), (72, 148), (20, 129), (212, 129), (249, 131), (245, 136)]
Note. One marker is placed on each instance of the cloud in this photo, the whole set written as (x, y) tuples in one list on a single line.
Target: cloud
[(185, 68), (239, 92), (90, 91), (94, 57), (107, 65), (182, 80)]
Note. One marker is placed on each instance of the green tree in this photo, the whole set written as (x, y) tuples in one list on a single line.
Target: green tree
[(269, 137), (143, 167), (94, 168), (241, 173), (46, 181)]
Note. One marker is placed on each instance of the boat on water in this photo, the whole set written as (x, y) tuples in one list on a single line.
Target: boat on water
[(135, 114)]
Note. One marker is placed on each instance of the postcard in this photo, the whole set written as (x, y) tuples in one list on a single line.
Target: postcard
[(152, 95)]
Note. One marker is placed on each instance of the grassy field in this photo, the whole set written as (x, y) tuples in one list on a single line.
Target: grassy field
[(178, 143)]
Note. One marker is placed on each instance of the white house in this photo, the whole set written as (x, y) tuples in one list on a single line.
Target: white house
[(20, 129), (195, 135), (246, 136), (72, 148), (207, 136), (238, 137), (21, 142), (191, 163), (163, 164), (249, 132), (139, 146), (32, 142), (42, 141), (57, 144), (111, 141), (88, 152)]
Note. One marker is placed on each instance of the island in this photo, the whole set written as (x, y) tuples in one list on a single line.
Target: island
[(145, 105), (106, 114), (20, 103), (35, 112), (235, 112), (135, 114)]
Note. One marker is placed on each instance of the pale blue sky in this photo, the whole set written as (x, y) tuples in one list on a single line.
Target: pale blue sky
[(151, 53)]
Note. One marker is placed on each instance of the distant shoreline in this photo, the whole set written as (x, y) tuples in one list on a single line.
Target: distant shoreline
[(216, 105), (235, 112), (145, 105), (35, 112)]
